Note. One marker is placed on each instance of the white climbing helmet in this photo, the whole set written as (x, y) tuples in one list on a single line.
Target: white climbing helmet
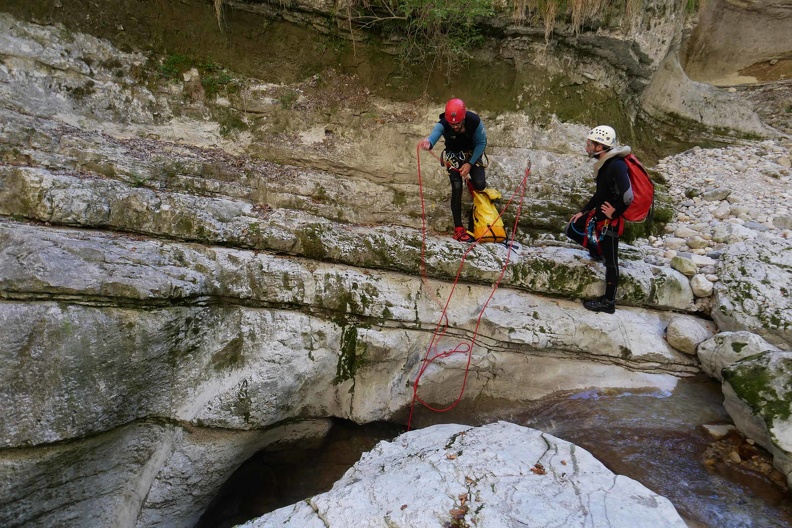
[(603, 134)]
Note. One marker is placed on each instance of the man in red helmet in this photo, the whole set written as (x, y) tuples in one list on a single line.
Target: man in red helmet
[(465, 140)]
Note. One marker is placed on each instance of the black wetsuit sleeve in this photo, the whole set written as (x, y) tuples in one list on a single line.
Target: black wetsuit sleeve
[(589, 205)]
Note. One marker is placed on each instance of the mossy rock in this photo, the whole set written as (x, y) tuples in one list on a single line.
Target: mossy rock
[(764, 382)]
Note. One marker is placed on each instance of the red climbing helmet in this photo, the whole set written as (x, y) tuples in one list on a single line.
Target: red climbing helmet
[(455, 111)]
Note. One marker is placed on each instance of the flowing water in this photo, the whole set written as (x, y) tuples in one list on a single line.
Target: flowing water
[(653, 437)]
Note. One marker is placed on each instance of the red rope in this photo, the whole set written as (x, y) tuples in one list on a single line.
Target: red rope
[(442, 325)]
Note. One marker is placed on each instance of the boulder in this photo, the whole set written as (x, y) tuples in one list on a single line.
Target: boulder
[(685, 334), (499, 475), (701, 286), (684, 265), (731, 233), (726, 348), (758, 397)]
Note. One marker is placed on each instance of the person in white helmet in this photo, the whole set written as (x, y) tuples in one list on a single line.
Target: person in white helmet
[(599, 223)]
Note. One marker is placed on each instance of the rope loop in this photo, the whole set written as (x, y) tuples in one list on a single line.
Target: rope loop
[(441, 327)]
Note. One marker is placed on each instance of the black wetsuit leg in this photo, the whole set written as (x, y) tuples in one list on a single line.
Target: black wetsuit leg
[(477, 176), (456, 197), (610, 255)]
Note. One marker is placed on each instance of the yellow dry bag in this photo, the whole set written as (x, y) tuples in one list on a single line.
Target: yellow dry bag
[(487, 224)]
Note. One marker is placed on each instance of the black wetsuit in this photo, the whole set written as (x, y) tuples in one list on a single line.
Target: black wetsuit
[(463, 142)]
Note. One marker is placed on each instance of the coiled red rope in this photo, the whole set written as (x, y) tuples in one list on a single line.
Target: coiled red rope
[(442, 325)]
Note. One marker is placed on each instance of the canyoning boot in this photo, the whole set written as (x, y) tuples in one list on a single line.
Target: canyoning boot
[(462, 235), (600, 304)]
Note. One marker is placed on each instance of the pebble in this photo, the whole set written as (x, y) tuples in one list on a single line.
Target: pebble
[(710, 189)]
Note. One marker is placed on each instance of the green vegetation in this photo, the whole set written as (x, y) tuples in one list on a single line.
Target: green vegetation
[(320, 194), (84, 90), (136, 180), (310, 237), (105, 169), (443, 33), (174, 65), (214, 77), (446, 29), (399, 197), (229, 121), (287, 97)]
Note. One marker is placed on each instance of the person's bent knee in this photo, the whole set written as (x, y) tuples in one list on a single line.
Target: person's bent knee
[(477, 178), (573, 234)]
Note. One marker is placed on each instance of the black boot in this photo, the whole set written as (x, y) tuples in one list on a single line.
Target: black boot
[(600, 304)]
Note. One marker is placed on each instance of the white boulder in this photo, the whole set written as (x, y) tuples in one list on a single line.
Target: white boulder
[(499, 475)]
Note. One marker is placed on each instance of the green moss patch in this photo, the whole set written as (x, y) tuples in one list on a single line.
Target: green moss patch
[(759, 382), (353, 355)]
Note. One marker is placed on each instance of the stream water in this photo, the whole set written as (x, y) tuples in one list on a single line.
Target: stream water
[(655, 438)]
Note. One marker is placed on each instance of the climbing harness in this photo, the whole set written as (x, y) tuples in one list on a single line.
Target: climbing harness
[(594, 235), (594, 232), (455, 160), (433, 351)]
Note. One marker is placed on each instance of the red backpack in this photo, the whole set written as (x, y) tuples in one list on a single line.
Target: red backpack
[(642, 188)]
